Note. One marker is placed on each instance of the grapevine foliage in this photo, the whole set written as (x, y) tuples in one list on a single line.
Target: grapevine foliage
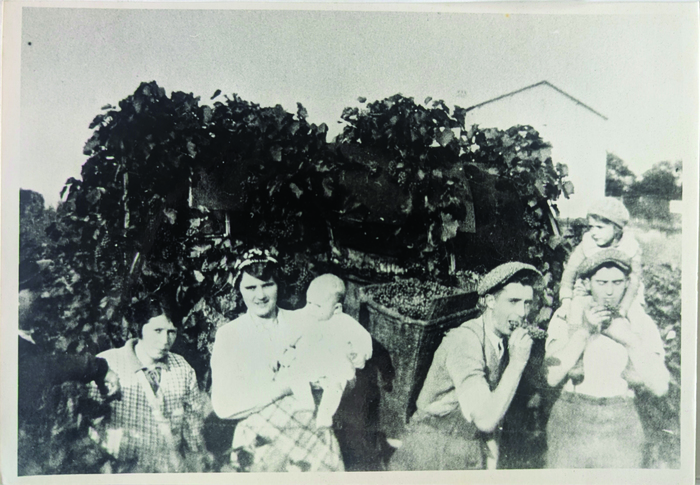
[(130, 228), (474, 197), (415, 152)]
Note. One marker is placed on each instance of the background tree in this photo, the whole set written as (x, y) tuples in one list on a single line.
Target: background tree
[(649, 197), (618, 177), (664, 181)]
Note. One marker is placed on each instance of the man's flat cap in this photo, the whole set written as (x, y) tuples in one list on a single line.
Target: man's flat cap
[(614, 256), (501, 274)]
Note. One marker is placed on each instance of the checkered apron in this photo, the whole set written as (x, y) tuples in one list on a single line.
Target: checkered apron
[(281, 438)]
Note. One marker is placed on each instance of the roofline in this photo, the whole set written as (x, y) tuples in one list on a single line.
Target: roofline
[(541, 83)]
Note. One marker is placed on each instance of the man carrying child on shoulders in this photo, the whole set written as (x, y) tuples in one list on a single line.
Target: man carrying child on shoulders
[(594, 423)]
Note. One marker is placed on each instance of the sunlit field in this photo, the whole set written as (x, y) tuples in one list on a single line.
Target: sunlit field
[(661, 242)]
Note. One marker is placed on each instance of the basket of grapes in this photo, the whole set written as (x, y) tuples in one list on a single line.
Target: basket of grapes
[(407, 320)]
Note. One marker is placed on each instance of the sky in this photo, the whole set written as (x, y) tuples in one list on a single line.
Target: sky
[(640, 71)]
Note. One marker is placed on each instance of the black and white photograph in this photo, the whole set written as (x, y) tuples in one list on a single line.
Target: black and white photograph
[(432, 243)]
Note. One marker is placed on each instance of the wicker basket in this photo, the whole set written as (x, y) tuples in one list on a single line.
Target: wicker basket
[(410, 345)]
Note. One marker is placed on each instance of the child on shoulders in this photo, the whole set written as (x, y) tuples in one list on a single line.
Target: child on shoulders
[(607, 220)]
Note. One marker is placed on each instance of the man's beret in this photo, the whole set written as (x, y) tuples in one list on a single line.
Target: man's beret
[(501, 274), (614, 256)]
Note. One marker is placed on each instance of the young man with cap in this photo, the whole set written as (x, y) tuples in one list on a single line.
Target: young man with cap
[(594, 423), (472, 380)]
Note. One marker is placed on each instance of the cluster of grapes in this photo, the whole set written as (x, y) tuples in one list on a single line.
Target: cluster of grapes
[(614, 313), (411, 298), (536, 333)]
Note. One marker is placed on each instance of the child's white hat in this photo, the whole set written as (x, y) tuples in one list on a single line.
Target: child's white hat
[(611, 209)]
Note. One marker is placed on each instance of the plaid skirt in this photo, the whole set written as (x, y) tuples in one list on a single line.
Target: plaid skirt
[(281, 438)]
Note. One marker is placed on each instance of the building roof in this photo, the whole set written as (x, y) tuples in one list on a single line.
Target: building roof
[(541, 83)]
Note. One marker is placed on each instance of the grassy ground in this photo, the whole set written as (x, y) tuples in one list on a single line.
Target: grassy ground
[(661, 243)]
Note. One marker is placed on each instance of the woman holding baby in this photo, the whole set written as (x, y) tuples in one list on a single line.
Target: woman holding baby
[(253, 374)]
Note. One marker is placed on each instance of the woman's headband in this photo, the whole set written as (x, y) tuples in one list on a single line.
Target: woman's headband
[(250, 257)]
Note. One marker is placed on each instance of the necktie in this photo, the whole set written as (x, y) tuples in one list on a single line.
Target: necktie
[(504, 357), (153, 375)]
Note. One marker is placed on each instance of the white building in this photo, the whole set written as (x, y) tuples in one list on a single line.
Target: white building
[(576, 132)]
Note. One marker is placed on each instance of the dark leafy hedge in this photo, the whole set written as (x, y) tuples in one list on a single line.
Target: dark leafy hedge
[(661, 416)]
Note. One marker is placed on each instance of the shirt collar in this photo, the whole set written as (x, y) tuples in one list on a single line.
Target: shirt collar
[(134, 364), (494, 339)]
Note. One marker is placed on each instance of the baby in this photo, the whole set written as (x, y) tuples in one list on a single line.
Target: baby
[(607, 219), (332, 346)]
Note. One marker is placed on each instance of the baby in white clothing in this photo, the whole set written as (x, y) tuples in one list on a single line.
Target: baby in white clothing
[(331, 347)]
